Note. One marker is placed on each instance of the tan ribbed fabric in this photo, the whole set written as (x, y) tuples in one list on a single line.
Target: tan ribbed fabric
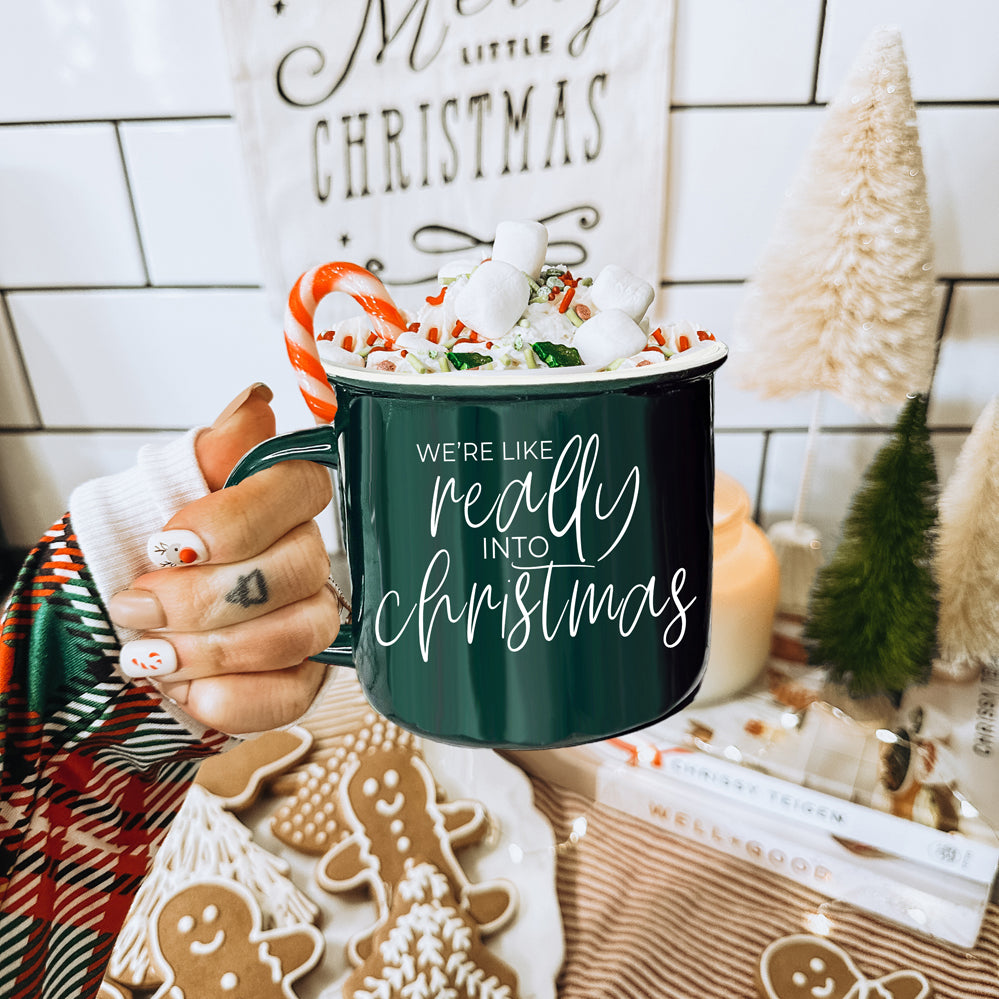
[(339, 712), (650, 916)]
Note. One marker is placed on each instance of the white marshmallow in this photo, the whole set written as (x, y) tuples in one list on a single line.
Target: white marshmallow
[(494, 298), (617, 288), (452, 269), (410, 340), (330, 353), (607, 336), (523, 244)]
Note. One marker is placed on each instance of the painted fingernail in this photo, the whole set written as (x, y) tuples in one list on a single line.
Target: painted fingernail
[(137, 609), (148, 657), (170, 548), (257, 388)]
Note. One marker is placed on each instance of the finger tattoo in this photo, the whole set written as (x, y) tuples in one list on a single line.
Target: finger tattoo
[(249, 590)]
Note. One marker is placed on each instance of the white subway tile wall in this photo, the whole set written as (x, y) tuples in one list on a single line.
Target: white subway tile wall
[(960, 153), (188, 178), (129, 265), (950, 48), (41, 470), (733, 52), (836, 472), (112, 59), (967, 374), (149, 358), (65, 214), (730, 169)]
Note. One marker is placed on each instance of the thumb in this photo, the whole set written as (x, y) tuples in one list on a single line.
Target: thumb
[(245, 422)]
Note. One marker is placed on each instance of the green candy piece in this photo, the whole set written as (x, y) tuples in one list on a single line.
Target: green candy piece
[(465, 361), (557, 355)]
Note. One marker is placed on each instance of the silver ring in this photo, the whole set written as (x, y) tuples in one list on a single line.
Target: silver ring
[(342, 601)]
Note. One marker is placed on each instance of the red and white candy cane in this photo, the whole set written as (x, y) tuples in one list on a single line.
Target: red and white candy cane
[(299, 334)]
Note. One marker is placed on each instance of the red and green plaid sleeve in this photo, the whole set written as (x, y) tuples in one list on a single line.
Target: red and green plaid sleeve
[(91, 772)]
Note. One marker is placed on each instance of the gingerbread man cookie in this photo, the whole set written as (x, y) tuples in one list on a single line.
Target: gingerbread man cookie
[(310, 820), (388, 802), (205, 841), (208, 938), (237, 776), (802, 966), (429, 947)]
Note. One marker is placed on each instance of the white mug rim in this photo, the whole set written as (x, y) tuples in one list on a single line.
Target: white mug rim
[(709, 357)]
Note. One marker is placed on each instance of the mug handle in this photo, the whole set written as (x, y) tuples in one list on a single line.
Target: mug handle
[(316, 444)]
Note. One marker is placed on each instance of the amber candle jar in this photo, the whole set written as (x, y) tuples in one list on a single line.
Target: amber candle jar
[(744, 593)]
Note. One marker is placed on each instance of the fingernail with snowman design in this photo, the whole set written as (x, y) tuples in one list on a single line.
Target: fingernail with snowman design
[(148, 657), (170, 548)]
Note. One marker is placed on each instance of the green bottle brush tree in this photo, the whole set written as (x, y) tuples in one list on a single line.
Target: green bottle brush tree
[(872, 616)]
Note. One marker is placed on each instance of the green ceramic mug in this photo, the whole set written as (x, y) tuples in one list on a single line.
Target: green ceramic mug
[(530, 555)]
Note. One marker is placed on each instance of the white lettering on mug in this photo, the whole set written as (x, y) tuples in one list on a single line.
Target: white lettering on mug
[(573, 472), (523, 605), (453, 451), (587, 604), (514, 547)]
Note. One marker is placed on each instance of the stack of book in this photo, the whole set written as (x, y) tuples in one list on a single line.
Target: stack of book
[(867, 813)]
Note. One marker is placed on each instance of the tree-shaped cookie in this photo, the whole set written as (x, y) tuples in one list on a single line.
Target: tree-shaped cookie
[(210, 938), (428, 946), (204, 841)]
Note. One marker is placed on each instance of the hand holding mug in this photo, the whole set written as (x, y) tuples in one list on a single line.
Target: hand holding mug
[(529, 550), (230, 622), (530, 557)]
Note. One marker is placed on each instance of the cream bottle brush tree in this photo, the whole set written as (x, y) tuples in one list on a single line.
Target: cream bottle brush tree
[(841, 300), (967, 555)]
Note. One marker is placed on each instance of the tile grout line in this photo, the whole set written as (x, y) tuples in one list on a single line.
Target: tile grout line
[(928, 102), (811, 102), (22, 364), (761, 477), (138, 119), (131, 202), (89, 289), (861, 430), (84, 431), (943, 280), (835, 430), (938, 340), (819, 39)]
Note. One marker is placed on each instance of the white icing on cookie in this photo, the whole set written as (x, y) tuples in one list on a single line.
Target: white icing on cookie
[(427, 949), (208, 946)]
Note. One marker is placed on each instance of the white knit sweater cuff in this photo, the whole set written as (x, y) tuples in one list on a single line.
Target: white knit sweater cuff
[(114, 516)]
